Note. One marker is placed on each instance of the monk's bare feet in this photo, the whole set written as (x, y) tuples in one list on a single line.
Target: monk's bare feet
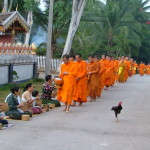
[(94, 99), (90, 100), (80, 104), (106, 88), (64, 109), (74, 104)]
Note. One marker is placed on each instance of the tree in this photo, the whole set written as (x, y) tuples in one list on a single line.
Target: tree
[(61, 19), (77, 10), (30, 7), (6, 5), (111, 28), (49, 39)]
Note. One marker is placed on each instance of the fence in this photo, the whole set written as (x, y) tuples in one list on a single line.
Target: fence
[(17, 59), (55, 63), (16, 49)]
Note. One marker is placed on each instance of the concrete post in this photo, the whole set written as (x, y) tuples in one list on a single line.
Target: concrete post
[(35, 70), (10, 73)]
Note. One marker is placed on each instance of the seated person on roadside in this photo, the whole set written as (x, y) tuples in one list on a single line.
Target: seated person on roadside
[(27, 96), (47, 92), (14, 111), (3, 118), (36, 108)]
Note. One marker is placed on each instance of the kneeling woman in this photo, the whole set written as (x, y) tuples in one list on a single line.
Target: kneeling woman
[(27, 96), (47, 91), (13, 104)]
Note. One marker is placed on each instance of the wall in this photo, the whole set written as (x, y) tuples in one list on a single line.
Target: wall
[(24, 65), (4, 74)]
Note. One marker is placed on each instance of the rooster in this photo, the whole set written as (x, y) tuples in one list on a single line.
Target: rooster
[(117, 110)]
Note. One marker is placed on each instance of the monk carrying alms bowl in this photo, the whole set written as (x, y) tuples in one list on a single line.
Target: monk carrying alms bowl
[(59, 82)]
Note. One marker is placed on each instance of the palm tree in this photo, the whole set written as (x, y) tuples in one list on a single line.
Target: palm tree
[(113, 27)]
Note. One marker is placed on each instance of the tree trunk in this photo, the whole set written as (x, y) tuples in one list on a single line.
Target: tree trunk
[(30, 22), (49, 39), (77, 11), (6, 5), (10, 5)]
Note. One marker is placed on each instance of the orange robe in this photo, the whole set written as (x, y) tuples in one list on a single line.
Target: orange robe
[(99, 90), (65, 93), (148, 69), (109, 73), (103, 72), (126, 74), (116, 70), (93, 79), (142, 68), (130, 73), (135, 68), (80, 92), (113, 72)]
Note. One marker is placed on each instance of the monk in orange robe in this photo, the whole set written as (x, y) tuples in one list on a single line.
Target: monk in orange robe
[(116, 69), (148, 69), (109, 72), (80, 92), (130, 73), (126, 74), (135, 68), (103, 70), (142, 68), (98, 77), (113, 71), (93, 73), (68, 73), (72, 58)]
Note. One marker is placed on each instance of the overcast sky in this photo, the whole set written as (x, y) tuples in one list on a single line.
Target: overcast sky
[(42, 5)]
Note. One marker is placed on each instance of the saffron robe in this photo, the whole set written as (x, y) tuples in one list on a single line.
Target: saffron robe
[(142, 68), (93, 67), (80, 91), (65, 93)]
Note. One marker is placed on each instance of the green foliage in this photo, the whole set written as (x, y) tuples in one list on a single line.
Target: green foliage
[(31, 5), (41, 50), (15, 75), (39, 80), (61, 20), (117, 28)]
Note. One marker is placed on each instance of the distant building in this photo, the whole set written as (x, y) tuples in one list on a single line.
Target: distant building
[(11, 24)]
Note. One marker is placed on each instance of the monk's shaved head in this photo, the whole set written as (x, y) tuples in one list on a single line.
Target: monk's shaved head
[(66, 56), (78, 57), (91, 58), (96, 58)]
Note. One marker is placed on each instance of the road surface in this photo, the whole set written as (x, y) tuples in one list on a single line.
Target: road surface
[(91, 127)]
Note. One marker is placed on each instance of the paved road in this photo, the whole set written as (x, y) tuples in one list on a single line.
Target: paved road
[(91, 127)]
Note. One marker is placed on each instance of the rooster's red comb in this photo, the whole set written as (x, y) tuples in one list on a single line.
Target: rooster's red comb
[(119, 103)]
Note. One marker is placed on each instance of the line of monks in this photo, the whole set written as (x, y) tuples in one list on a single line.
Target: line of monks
[(82, 79)]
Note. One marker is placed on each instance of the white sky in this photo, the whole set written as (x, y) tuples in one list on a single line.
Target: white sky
[(42, 5)]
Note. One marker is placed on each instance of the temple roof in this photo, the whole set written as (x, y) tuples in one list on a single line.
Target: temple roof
[(7, 19)]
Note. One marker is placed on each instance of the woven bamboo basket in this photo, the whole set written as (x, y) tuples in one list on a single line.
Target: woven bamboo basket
[(1, 126), (52, 106), (4, 108), (25, 117)]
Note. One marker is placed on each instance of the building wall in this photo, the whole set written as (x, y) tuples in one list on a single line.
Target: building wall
[(24, 71), (24, 65), (3, 74), (5, 38)]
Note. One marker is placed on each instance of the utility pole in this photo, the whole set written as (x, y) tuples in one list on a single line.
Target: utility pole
[(49, 39)]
